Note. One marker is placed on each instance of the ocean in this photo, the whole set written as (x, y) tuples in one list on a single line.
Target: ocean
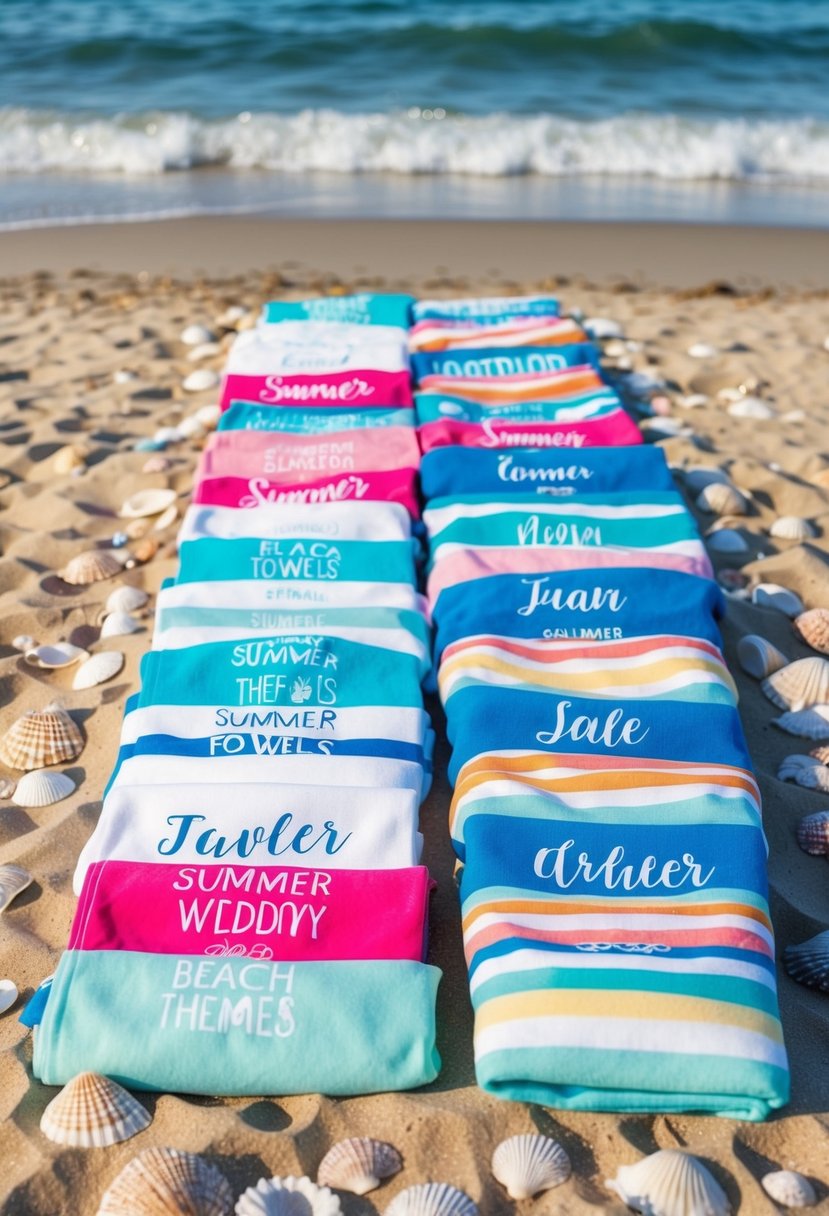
[(707, 110)]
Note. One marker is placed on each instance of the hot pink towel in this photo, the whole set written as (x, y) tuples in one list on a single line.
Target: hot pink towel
[(363, 388), (613, 430), (393, 485)]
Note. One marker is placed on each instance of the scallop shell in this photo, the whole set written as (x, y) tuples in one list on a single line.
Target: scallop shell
[(758, 657), (772, 595), (92, 1112), (792, 527), (789, 1189), (273, 1197), (806, 723), (805, 771), (13, 880), (813, 628), (147, 502), (61, 654), (432, 1199), (41, 788), (721, 498), (526, 1165), (700, 476), (196, 335), (119, 623), (726, 540), (166, 1182), (91, 567), (8, 994), (98, 669), (200, 380), (358, 1165), (799, 685), (40, 738), (808, 963), (813, 834), (670, 1183), (126, 599)]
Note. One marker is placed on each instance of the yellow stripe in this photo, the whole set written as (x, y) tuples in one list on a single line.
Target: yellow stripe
[(651, 674)]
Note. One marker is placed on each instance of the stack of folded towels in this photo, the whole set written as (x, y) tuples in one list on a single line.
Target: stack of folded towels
[(613, 881), (252, 912)]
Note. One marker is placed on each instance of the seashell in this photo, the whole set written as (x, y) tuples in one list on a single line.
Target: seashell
[(205, 350), (273, 1197), (190, 428), (119, 623), (789, 1189), (156, 464), (792, 527), (91, 567), (808, 963), (7, 787), (700, 476), (758, 657), (13, 880), (67, 459), (40, 788), (166, 1182), (721, 498), (821, 754), (603, 327), (799, 685), (526, 1165), (137, 528), (702, 350), (726, 540), (41, 737), (693, 401), (810, 723), (208, 416), (144, 551), (670, 1183), (200, 380), (811, 626), (813, 830), (772, 595), (8, 994), (358, 1165), (196, 335), (98, 669), (123, 376), (23, 642), (805, 771), (616, 349), (166, 518), (126, 599), (751, 407), (432, 1199), (93, 1112), (147, 502), (232, 316), (165, 435), (61, 654)]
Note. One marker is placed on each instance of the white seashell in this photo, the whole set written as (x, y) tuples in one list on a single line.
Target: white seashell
[(432, 1199), (276, 1197), (792, 527), (13, 880), (166, 518), (751, 407), (196, 335), (811, 626), (526, 1165), (726, 540), (93, 1112), (812, 723), (670, 1183), (700, 476), (42, 788), (205, 350), (23, 642), (91, 567), (191, 428), (200, 380), (789, 1189), (123, 376), (166, 1182), (603, 327), (772, 595), (758, 657), (156, 464), (808, 963), (69, 459), (794, 416), (60, 654), (693, 401), (126, 599), (232, 316), (729, 394), (805, 771), (41, 737), (721, 498), (119, 623), (358, 1165), (98, 669), (702, 350), (208, 416), (7, 787), (147, 502), (799, 685), (615, 349), (165, 435), (8, 995)]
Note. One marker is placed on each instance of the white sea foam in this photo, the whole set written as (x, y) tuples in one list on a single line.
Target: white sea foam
[(420, 142)]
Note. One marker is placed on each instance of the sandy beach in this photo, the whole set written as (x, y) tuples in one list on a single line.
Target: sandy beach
[(90, 356)]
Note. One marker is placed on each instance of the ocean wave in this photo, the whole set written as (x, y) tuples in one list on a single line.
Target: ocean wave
[(418, 141)]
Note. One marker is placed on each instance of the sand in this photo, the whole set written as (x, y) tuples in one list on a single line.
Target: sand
[(63, 338)]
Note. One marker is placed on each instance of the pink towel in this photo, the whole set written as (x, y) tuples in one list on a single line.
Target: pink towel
[(391, 485), (302, 458), (612, 430), (364, 388)]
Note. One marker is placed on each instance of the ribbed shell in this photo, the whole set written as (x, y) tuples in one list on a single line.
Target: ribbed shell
[(166, 1182), (789, 1189), (808, 963), (772, 595), (806, 723), (358, 1164), (813, 834), (97, 669), (527, 1165), (13, 880), (39, 738), (92, 1112), (42, 788), (432, 1199), (813, 628), (721, 498), (758, 656), (799, 685), (117, 624), (147, 502), (276, 1197), (91, 567), (126, 599), (700, 476), (670, 1183), (792, 527), (806, 772)]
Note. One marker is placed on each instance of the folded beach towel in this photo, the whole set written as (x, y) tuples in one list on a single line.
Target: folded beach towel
[(306, 347), (396, 485), (362, 387), (251, 595), (490, 310), (334, 521), (365, 308), (609, 430), (296, 559), (477, 363), (453, 472), (248, 416), (433, 407), (532, 386), (443, 334), (295, 459)]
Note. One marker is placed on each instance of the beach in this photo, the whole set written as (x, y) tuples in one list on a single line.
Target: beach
[(90, 356)]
